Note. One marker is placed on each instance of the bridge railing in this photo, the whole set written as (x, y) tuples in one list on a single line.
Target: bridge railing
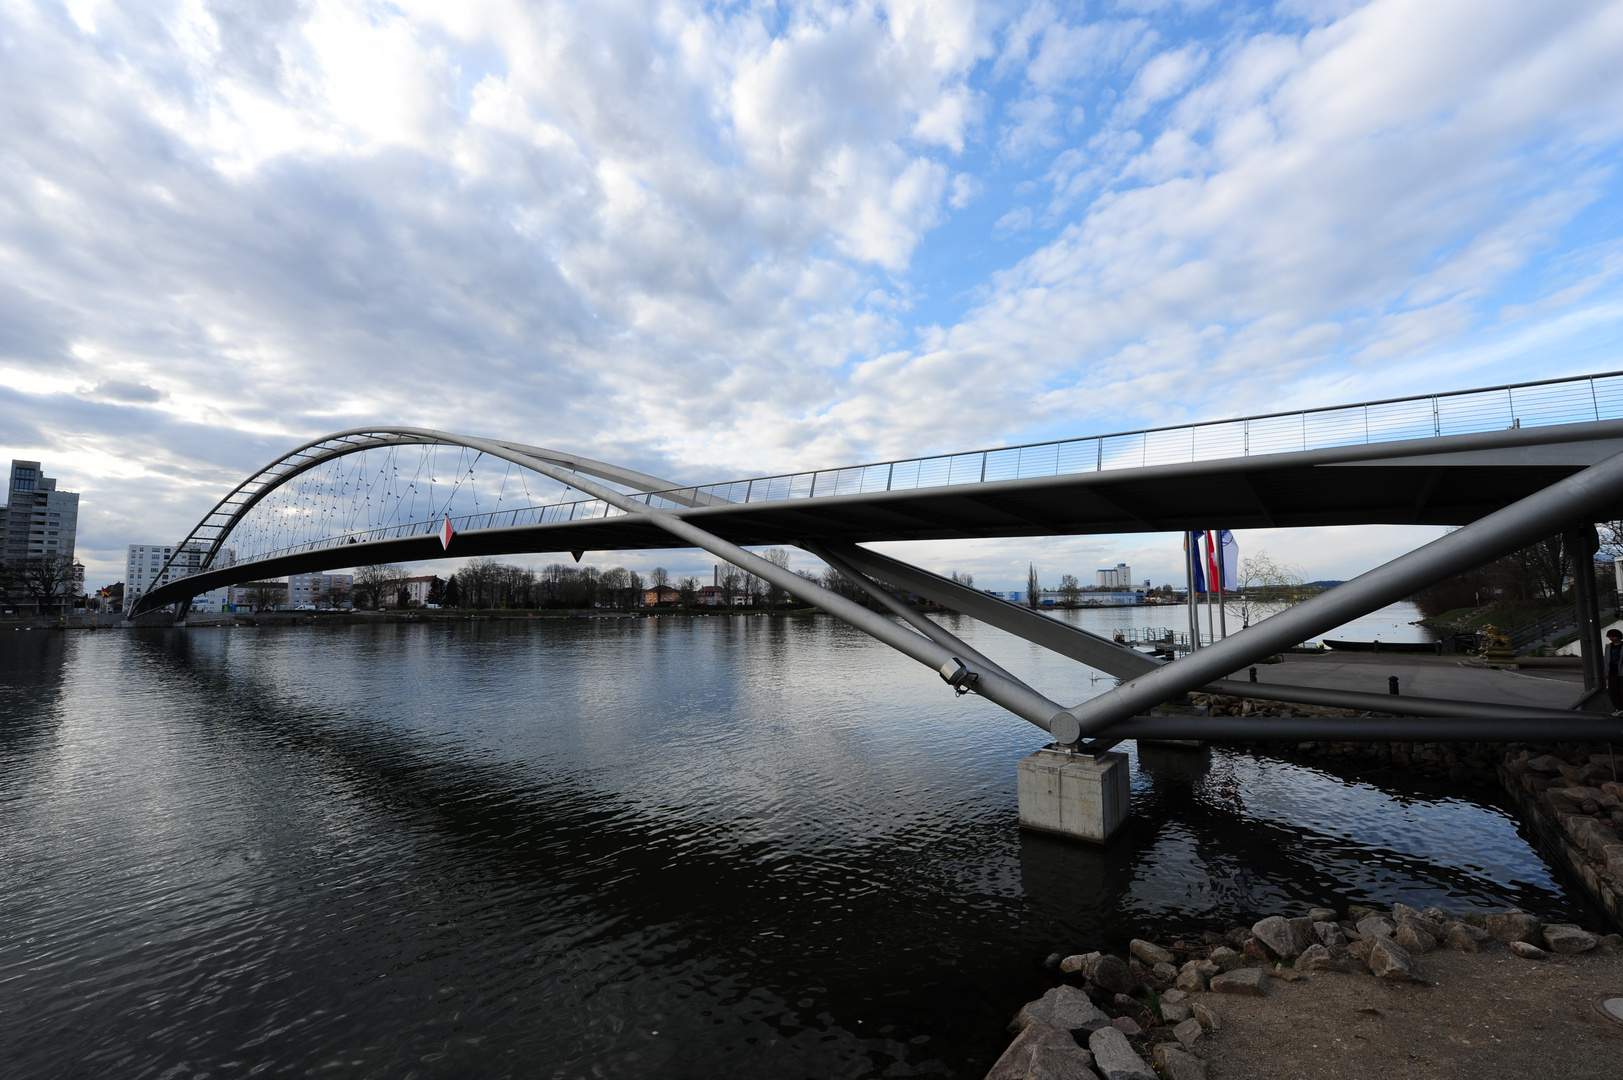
[(1533, 404)]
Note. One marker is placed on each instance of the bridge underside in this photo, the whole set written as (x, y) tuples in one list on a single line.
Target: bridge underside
[(1447, 481)]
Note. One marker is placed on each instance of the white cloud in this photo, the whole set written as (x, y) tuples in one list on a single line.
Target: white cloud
[(690, 236)]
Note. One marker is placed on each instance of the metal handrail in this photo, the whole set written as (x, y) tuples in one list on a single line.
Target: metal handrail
[(1543, 403)]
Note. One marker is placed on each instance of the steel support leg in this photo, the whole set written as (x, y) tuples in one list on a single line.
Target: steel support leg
[(1582, 496)]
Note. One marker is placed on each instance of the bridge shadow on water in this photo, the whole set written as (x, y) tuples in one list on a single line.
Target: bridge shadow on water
[(674, 848)]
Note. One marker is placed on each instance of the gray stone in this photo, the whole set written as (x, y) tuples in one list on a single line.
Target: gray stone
[(1508, 926), (1166, 973), (1283, 938), (1438, 915), (1526, 951), (1415, 940), (1207, 1018), (1191, 980), (1056, 1063), (1252, 982), (1226, 959), (1079, 962), (1389, 960), (1063, 1007), (1179, 1064), (1462, 937), (1376, 926), (1150, 953), (1360, 949), (1477, 919), (1114, 1057), (1610, 944), (1546, 763), (1127, 1026), (1329, 933), (1350, 929), (1175, 1013), (1568, 939), (1175, 997), (1188, 1032), (1321, 914), (1318, 958), (1112, 973), (1057, 1048)]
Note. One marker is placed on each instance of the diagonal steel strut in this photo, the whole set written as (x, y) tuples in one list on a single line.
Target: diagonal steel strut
[(1577, 497), (1013, 695)]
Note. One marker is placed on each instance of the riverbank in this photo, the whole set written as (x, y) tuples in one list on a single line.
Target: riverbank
[(1327, 993)]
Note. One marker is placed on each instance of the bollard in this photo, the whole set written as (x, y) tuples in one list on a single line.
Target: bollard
[(1392, 684), (1377, 645), (1253, 673), (1439, 645)]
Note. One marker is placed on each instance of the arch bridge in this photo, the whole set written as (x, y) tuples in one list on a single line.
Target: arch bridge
[(1508, 465)]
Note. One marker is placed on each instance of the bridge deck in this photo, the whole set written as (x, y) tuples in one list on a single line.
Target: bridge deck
[(1448, 480)]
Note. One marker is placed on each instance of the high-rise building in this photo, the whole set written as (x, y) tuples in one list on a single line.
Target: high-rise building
[(147, 566), (37, 519), (1119, 576)]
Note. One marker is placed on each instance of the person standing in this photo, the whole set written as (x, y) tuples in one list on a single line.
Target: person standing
[(1614, 669)]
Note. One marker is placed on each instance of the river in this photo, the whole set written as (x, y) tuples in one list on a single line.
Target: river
[(672, 847)]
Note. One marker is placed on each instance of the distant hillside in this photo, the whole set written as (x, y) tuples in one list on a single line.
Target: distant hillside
[(1324, 584)]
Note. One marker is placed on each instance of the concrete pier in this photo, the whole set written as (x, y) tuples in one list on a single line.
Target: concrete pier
[(1074, 795)]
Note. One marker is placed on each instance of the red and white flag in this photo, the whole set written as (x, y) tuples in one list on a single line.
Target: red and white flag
[(446, 532)]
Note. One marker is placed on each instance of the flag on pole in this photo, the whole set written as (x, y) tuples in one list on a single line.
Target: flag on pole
[(1231, 561), (1213, 573), (446, 532), (1199, 583)]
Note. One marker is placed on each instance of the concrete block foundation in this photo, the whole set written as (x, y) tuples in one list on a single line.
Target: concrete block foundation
[(1074, 795)]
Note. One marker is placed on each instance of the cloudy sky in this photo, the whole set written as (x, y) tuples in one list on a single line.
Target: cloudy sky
[(718, 240)]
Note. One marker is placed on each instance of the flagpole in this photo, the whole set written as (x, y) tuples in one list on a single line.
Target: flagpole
[(1222, 576), (1189, 570)]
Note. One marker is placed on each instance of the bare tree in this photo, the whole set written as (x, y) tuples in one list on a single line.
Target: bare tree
[(732, 583), (45, 578), (1070, 590), (1033, 588), (660, 578), (687, 591), (376, 583)]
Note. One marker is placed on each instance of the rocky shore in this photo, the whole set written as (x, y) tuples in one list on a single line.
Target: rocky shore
[(1154, 1012)]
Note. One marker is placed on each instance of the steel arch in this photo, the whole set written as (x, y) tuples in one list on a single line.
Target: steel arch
[(216, 526)]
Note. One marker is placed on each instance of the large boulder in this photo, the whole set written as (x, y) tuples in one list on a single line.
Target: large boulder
[(1055, 1055), (1413, 938), (1226, 959), (1113, 974), (1079, 962), (1389, 960), (1463, 937), (1179, 1064), (1568, 939), (1252, 982), (1188, 1032), (1150, 953), (1064, 1007), (1508, 926), (1190, 980), (1115, 1058), (1376, 926), (1329, 933), (1318, 958), (1282, 936)]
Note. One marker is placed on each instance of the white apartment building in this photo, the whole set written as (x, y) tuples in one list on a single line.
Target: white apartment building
[(1119, 576), (315, 589), (148, 566)]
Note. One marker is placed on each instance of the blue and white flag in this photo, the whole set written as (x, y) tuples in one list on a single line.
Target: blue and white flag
[(1231, 561)]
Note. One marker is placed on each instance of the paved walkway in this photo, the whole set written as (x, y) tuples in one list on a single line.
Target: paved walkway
[(1427, 676)]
